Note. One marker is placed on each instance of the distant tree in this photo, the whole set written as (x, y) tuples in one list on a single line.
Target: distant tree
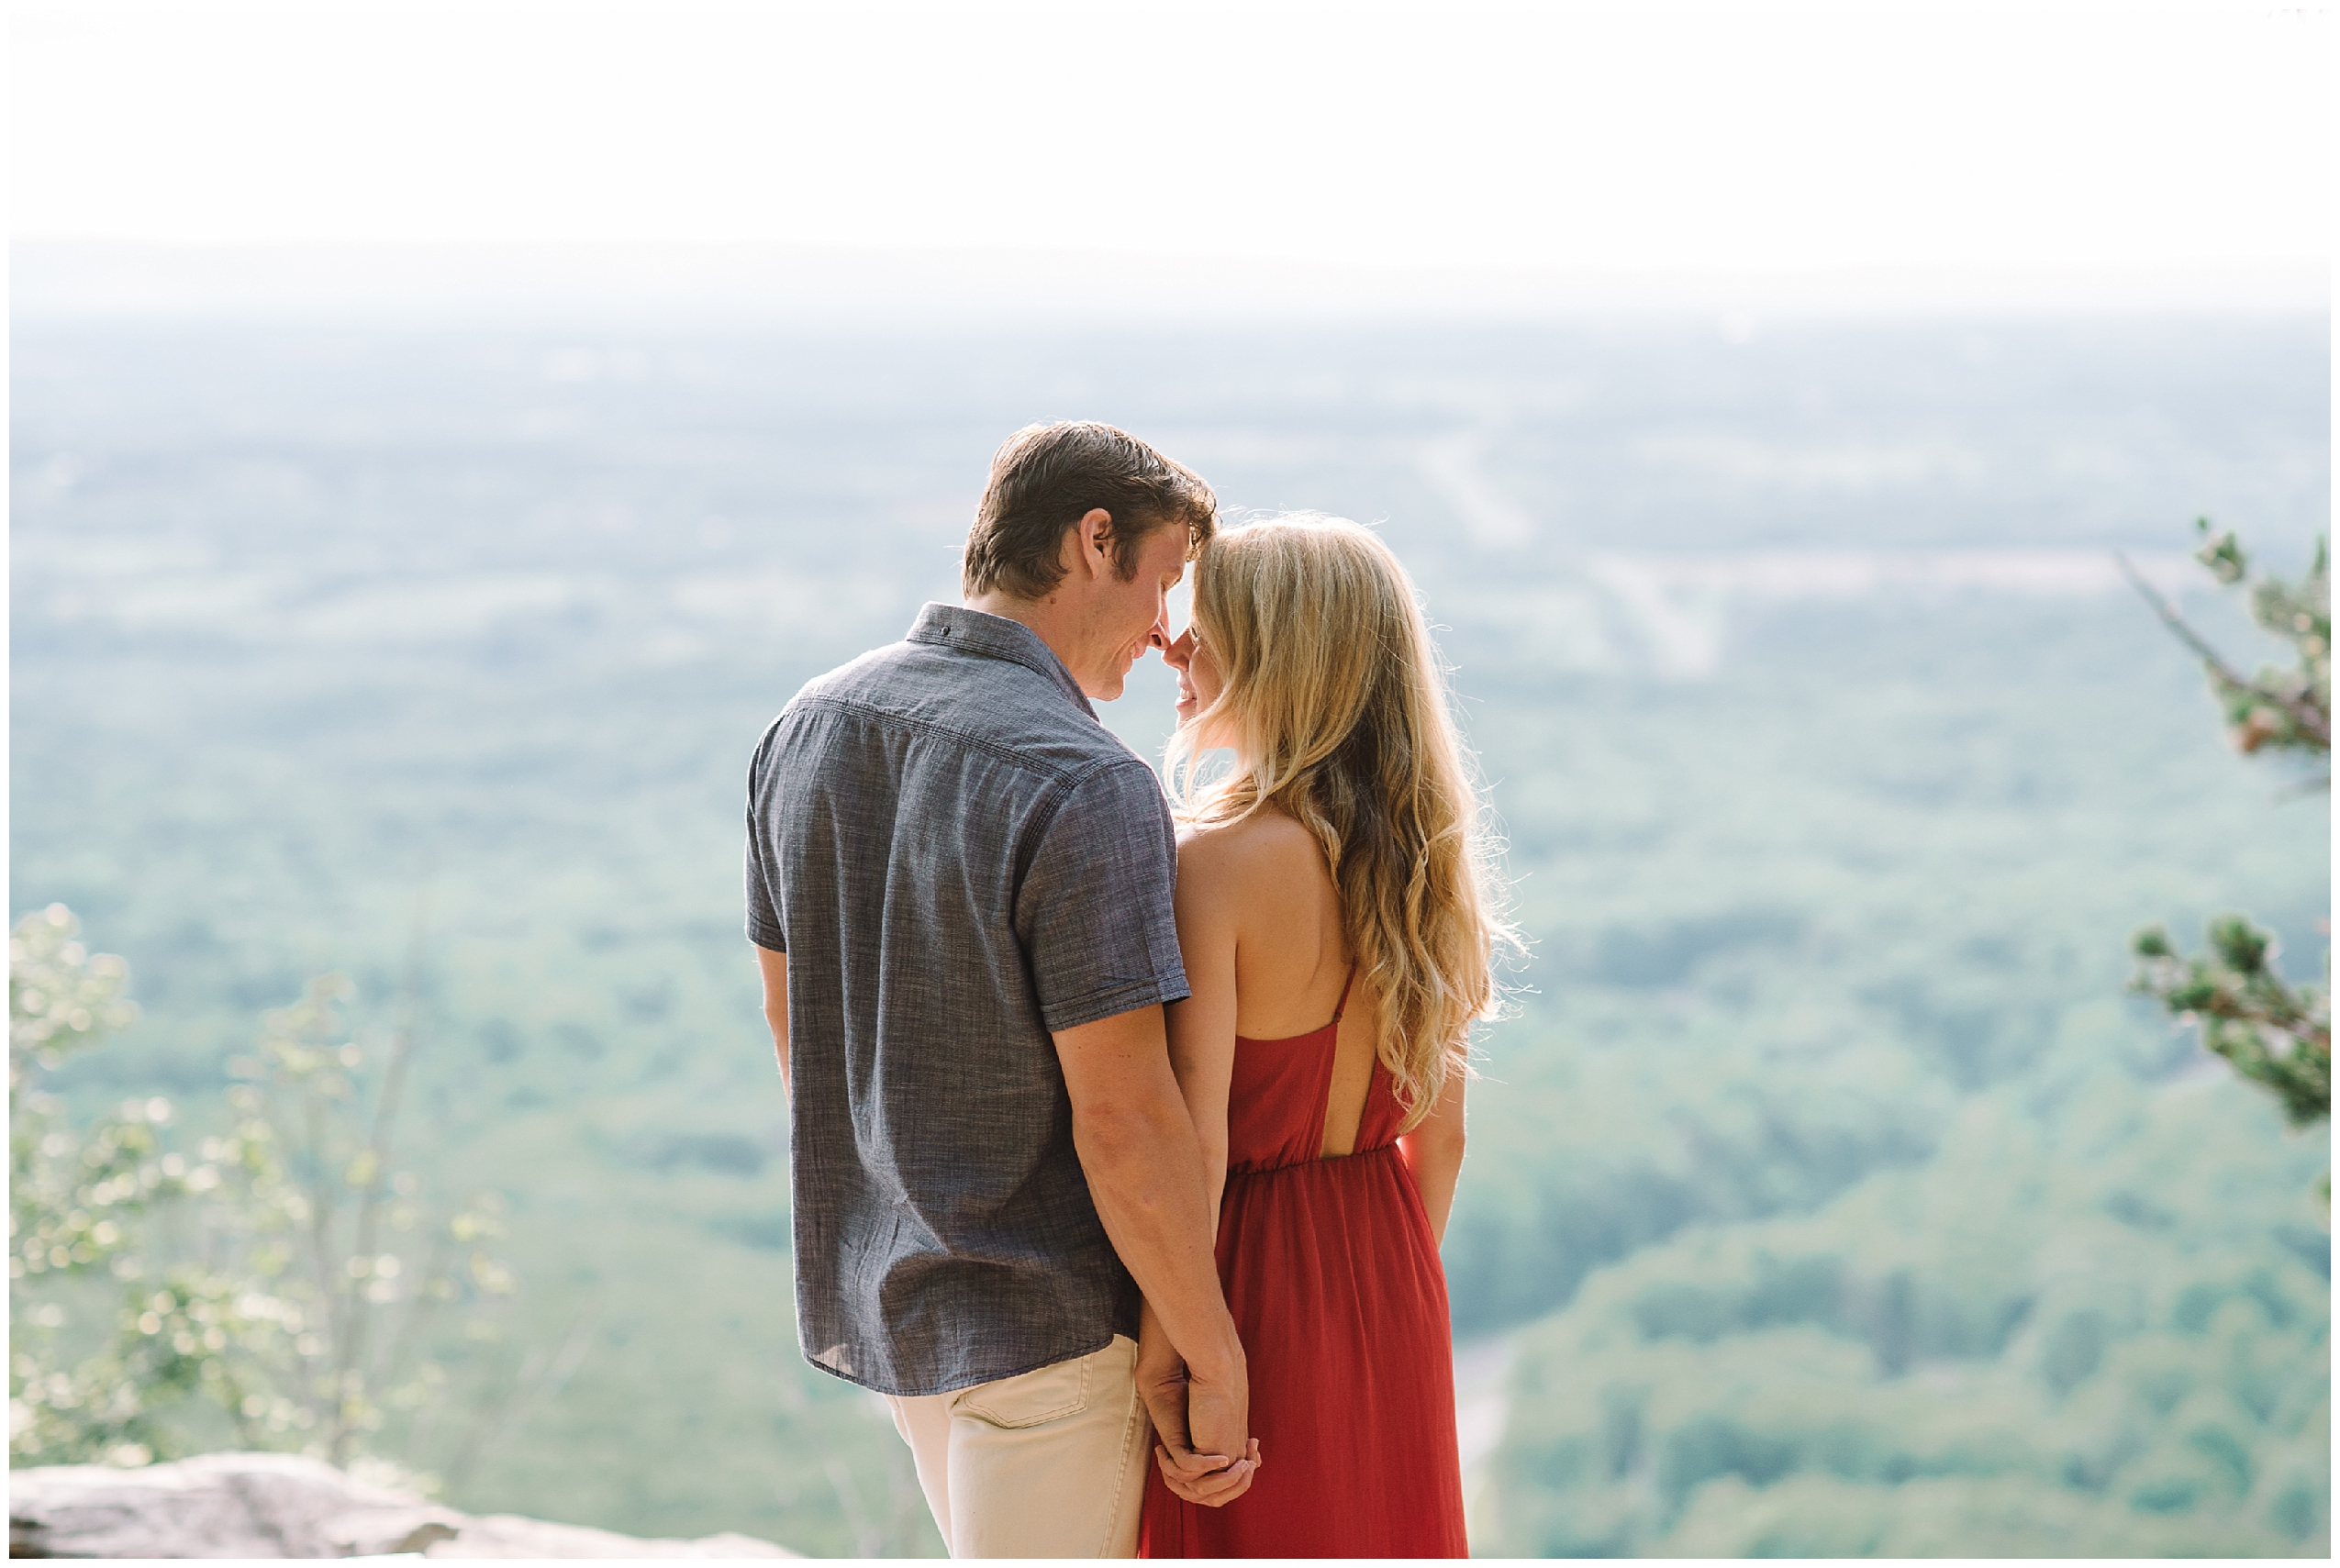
[(273, 1289), (2273, 1032)]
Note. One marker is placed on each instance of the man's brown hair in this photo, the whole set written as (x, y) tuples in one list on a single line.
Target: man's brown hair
[(1045, 478)]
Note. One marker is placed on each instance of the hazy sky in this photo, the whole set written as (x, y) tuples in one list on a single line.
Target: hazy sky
[(2056, 139)]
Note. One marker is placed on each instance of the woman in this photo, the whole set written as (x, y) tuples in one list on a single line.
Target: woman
[(1336, 917)]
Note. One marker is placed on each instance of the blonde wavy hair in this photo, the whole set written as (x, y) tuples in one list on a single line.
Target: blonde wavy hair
[(1335, 702)]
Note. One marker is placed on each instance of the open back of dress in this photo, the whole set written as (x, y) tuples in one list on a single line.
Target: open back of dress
[(1336, 1289)]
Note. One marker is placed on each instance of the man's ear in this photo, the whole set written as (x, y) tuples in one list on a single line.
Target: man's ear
[(1092, 543)]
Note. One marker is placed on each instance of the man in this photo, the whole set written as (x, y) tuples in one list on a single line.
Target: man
[(959, 885)]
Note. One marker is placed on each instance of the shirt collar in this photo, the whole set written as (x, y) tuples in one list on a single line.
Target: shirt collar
[(995, 637)]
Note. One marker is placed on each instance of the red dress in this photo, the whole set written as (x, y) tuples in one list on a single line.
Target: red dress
[(1337, 1290)]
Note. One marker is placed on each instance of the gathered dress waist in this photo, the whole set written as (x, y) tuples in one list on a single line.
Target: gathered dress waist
[(1282, 1166)]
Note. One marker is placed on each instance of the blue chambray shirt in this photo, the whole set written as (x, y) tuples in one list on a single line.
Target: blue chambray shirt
[(958, 858)]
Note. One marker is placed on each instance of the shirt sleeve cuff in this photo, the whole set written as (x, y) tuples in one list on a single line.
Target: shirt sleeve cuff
[(1063, 1016)]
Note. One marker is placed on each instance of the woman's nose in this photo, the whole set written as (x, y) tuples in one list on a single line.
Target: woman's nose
[(1176, 653)]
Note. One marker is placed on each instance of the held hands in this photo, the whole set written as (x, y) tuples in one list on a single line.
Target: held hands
[(1205, 1455)]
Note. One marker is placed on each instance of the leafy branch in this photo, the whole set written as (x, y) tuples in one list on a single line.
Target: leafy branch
[(2274, 1033), (2277, 710)]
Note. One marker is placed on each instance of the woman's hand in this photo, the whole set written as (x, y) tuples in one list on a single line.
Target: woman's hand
[(1212, 1480)]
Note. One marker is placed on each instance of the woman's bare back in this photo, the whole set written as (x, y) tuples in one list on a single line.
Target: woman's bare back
[(1291, 958)]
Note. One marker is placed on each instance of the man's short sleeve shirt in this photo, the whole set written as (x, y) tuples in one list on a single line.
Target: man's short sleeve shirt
[(958, 859)]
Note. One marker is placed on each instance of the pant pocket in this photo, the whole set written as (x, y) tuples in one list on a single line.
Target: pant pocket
[(1031, 1398)]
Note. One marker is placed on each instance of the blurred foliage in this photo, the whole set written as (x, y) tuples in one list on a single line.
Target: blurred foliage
[(2053, 1339), (2276, 1034), (2277, 710), (1882, 1240), (272, 1287)]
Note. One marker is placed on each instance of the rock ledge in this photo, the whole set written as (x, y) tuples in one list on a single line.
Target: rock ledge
[(281, 1505)]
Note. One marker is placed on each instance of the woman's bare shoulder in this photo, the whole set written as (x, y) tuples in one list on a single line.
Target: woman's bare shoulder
[(1265, 851)]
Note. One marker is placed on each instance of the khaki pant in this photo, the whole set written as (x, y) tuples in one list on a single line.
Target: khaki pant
[(1050, 1464)]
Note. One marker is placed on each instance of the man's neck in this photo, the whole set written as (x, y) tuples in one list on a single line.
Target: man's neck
[(1044, 617)]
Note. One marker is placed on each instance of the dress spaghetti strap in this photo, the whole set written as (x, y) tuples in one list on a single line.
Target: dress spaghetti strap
[(1342, 1004)]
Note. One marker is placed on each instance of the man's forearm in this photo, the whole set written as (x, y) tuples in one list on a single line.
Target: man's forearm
[(1145, 1171), (1143, 1163)]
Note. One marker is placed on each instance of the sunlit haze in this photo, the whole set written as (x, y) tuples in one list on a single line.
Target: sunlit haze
[(2041, 149)]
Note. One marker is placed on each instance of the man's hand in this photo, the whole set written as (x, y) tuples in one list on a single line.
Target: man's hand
[(1174, 1401), (1218, 1414)]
